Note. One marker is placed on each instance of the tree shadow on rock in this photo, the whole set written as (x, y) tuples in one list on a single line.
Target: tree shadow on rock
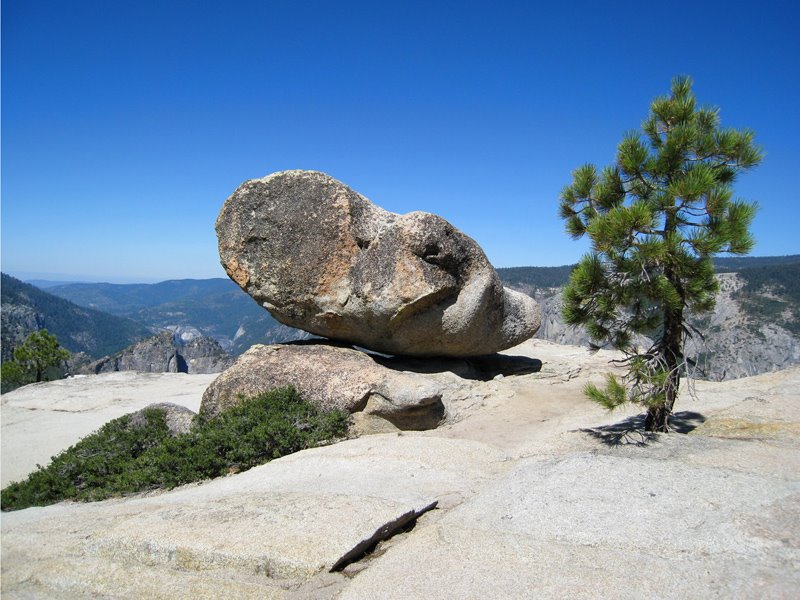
[(631, 430), (686, 421)]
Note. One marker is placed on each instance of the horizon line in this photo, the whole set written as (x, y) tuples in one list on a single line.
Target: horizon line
[(66, 278)]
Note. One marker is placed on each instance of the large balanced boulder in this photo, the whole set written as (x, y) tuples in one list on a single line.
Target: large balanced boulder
[(322, 258), (331, 377)]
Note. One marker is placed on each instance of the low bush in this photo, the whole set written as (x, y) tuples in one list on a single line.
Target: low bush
[(122, 459)]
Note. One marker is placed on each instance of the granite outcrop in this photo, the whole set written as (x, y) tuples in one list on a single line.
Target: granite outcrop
[(164, 353)]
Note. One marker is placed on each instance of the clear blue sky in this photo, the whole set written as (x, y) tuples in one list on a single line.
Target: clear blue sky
[(126, 124)]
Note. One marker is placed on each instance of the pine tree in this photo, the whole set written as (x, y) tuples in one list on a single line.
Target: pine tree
[(655, 219), (39, 353)]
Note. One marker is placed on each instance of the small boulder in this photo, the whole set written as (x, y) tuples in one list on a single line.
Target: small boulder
[(179, 418), (330, 377), (322, 258)]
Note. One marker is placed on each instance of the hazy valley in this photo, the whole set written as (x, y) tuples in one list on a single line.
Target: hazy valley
[(754, 328)]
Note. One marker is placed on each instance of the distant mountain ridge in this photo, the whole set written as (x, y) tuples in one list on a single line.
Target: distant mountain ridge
[(120, 298), (26, 308), (559, 276), (216, 308), (762, 292)]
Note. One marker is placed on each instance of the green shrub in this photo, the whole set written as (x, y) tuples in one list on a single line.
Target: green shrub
[(122, 459)]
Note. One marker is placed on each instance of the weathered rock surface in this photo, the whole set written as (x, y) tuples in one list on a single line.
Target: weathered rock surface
[(738, 344), (155, 354), (204, 355), (335, 377), (162, 353), (539, 494), (625, 523), (280, 526), (553, 328), (322, 258)]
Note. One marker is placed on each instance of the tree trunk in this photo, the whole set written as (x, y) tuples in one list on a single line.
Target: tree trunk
[(656, 419), (671, 355)]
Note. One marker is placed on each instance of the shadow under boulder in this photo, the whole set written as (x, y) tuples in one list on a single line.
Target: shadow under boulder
[(479, 368)]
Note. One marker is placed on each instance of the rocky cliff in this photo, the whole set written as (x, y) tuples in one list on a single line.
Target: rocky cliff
[(166, 353), (737, 340)]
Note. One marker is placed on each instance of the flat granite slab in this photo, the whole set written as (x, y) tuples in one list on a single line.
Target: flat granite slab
[(264, 531), (604, 513), (538, 494), (615, 525)]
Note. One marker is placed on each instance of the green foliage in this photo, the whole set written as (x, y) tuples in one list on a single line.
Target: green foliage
[(12, 376), (611, 397), (124, 457), (90, 469), (38, 358), (39, 352), (655, 219)]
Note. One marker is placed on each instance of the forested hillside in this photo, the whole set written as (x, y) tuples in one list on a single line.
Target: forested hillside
[(123, 299), (536, 277), (772, 294), (216, 308), (759, 268), (26, 309), (739, 263)]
